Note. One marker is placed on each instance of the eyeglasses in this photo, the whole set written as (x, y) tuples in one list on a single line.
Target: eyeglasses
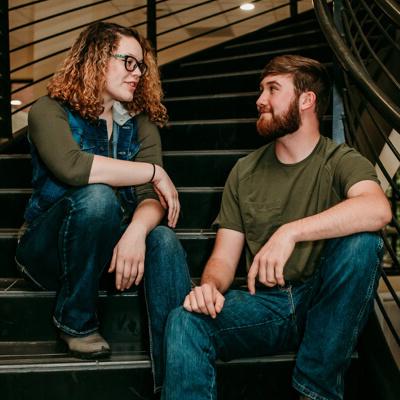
[(131, 63)]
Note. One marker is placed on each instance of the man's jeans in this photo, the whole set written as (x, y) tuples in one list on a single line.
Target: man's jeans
[(68, 247), (320, 318)]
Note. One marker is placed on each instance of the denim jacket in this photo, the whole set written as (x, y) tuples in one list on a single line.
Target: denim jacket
[(92, 138)]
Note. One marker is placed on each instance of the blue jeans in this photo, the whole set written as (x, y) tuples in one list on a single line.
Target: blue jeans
[(320, 318), (68, 247)]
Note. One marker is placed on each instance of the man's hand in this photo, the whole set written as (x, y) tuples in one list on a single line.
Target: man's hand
[(128, 258), (204, 299), (269, 262)]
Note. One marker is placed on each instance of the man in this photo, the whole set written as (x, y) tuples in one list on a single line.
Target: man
[(280, 203)]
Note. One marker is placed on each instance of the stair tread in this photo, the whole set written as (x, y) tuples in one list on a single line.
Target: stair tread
[(51, 355), (285, 50)]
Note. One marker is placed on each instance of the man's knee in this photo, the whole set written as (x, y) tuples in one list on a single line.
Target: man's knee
[(364, 248), (183, 328), (357, 255)]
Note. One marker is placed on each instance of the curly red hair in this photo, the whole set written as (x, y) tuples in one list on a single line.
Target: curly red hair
[(81, 79)]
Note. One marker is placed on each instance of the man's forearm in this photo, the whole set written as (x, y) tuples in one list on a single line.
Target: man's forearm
[(218, 273), (357, 214)]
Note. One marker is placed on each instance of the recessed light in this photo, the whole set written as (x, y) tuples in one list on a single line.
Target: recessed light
[(16, 102), (247, 7)]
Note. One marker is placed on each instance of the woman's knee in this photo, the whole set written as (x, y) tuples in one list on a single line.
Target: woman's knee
[(98, 202)]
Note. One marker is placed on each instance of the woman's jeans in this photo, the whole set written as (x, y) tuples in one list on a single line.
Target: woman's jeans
[(320, 318), (68, 247)]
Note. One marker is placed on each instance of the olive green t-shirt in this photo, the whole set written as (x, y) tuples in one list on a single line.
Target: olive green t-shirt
[(49, 131), (261, 194)]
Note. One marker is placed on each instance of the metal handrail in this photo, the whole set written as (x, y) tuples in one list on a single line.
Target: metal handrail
[(363, 98), (350, 64), (391, 8), (367, 45), (379, 25), (31, 3), (37, 21), (76, 28)]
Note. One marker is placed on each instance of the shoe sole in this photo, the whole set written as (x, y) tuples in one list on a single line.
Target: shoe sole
[(91, 356)]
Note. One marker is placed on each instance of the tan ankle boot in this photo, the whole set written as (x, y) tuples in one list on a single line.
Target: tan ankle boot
[(89, 347)]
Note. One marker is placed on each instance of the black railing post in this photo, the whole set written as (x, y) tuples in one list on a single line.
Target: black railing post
[(293, 8), (5, 85), (152, 24), (338, 114)]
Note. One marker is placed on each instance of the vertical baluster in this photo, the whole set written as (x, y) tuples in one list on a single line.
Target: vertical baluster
[(5, 85)]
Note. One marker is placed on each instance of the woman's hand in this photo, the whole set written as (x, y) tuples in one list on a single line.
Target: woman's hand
[(128, 258), (167, 194)]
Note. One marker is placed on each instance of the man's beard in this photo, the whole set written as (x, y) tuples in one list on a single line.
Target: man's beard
[(280, 125)]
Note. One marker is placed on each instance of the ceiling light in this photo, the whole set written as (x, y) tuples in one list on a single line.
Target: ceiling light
[(16, 102), (247, 7)]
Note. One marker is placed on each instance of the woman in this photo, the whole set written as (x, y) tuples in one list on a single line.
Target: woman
[(99, 190)]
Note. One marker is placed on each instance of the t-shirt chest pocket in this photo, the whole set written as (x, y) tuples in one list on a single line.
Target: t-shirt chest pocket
[(261, 220)]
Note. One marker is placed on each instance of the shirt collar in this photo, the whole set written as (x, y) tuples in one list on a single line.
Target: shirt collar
[(120, 114)]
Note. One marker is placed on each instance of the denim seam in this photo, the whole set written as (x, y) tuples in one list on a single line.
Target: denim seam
[(213, 377), (363, 309), (70, 331), (251, 325), (24, 271), (293, 309), (64, 252), (155, 387), (307, 392)]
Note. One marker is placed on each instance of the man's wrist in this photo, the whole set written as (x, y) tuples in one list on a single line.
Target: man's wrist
[(138, 227), (210, 282)]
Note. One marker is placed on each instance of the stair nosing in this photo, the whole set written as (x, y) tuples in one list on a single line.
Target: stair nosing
[(182, 153), (200, 189), (213, 121), (51, 294), (212, 76), (275, 38), (74, 366), (212, 96), (257, 54), (183, 189)]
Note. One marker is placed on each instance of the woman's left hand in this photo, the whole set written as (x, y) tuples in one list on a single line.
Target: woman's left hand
[(128, 258)]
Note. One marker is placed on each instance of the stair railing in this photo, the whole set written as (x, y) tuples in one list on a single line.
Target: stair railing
[(5, 86), (366, 45), (51, 47)]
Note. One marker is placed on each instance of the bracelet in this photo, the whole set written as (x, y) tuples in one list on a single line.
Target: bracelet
[(154, 173)]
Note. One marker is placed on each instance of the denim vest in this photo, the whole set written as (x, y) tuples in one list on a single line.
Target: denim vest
[(92, 138)]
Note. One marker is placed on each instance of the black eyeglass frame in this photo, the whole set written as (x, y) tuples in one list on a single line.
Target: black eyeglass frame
[(138, 64)]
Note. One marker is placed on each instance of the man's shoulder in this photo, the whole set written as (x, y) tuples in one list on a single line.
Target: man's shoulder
[(334, 152)]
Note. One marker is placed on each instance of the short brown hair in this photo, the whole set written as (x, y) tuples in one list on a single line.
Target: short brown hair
[(308, 75), (81, 79)]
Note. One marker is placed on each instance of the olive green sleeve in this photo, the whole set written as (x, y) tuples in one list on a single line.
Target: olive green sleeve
[(150, 152), (352, 168), (229, 216), (50, 133)]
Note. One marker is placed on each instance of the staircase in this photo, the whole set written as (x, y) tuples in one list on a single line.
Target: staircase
[(211, 101)]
